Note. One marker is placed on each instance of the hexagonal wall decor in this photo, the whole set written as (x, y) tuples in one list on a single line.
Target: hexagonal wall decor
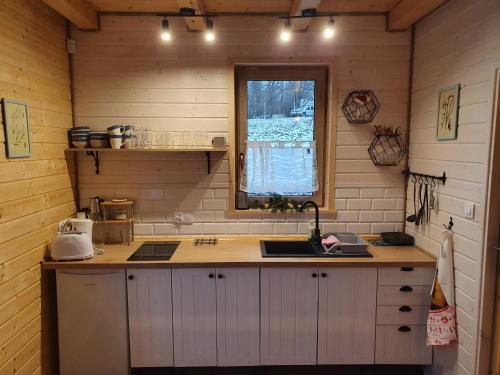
[(360, 106)]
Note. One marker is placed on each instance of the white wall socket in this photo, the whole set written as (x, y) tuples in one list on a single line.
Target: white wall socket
[(469, 209)]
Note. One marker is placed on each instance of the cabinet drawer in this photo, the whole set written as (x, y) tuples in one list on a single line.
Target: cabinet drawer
[(406, 276), (402, 314), (404, 295), (400, 344)]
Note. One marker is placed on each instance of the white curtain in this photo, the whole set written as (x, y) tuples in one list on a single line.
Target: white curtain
[(280, 167)]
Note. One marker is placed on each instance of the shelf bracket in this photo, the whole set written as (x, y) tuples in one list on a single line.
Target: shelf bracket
[(207, 154), (95, 155)]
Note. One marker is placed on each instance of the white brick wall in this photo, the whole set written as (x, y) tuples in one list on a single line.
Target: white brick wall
[(177, 88)]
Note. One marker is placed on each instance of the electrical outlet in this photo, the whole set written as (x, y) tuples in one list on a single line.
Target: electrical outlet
[(469, 210)]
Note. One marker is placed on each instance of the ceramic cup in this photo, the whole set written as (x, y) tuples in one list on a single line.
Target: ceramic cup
[(128, 130), (116, 130), (116, 141)]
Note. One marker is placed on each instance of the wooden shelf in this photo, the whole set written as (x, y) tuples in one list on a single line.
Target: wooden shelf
[(94, 152), (114, 221), (111, 203), (169, 149)]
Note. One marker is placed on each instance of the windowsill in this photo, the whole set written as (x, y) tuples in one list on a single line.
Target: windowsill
[(324, 213)]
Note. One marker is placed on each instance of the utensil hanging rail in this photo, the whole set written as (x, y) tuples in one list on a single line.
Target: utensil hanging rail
[(408, 173)]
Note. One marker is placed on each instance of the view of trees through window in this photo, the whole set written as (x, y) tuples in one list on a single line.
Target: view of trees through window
[(280, 110)]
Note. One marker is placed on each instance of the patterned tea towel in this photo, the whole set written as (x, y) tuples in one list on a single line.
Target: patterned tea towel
[(441, 322)]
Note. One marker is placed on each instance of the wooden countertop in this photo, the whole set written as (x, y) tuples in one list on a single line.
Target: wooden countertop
[(243, 252)]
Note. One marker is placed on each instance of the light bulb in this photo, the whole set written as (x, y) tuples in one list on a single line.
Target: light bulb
[(329, 30), (286, 33), (165, 31), (209, 32)]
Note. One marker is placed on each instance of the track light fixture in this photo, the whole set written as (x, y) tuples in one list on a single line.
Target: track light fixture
[(329, 30), (286, 32), (165, 30), (209, 32)]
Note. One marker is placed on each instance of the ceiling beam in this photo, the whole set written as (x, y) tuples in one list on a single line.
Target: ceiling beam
[(194, 23), (78, 12), (296, 9), (407, 12)]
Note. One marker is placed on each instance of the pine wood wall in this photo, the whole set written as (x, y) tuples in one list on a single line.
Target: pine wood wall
[(35, 192)]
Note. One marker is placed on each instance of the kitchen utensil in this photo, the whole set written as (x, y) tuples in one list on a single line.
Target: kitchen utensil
[(412, 218), (418, 219)]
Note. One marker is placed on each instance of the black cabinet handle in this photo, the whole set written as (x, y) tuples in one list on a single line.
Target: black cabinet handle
[(220, 276), (323, 274), (131, 277), (405, 309), (406, 269), (404, 329), (406, 289), (314, 275), (211, 275)]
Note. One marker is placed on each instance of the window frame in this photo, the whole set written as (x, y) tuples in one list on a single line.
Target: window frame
[(327, 184), (318, 74)]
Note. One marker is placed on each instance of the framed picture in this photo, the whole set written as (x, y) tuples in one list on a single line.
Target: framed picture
[(16, 127), (448, 113)]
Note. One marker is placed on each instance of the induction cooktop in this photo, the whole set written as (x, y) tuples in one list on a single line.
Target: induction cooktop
[(154, 251)]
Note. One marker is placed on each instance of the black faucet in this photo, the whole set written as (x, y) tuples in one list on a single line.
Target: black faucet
[(316, 236)]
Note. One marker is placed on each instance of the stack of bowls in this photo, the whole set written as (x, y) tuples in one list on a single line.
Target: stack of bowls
[(80, 136), (99, 139)]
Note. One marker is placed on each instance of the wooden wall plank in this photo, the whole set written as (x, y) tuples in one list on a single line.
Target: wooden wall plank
[(37, 192), (458, 43)]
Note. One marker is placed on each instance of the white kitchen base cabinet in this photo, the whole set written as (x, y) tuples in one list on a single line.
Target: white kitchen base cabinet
[(92, 320), (403, 345), (346, 319), (194, 317), (150, 317), (237, 316), (289, 316)]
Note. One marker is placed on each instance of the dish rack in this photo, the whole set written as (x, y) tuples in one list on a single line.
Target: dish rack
[(120, 215)]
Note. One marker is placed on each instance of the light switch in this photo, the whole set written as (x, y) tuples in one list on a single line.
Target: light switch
[(469, 210)]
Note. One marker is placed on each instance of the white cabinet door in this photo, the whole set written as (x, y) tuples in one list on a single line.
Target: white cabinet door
[(403, 345), (346, 320), (150, 317), (289, 309), (194, 313), (238, 316), (92, 320)]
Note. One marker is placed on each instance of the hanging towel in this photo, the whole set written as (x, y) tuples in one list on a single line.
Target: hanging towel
[(441, 322)]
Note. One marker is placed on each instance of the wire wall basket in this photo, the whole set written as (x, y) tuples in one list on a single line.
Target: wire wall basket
[(387, 147), (360, 106)]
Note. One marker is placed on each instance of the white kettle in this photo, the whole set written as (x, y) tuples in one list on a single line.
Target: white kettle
[(73, 241)]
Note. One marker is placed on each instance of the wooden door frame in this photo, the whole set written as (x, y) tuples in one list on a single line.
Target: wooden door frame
[(491, 236)]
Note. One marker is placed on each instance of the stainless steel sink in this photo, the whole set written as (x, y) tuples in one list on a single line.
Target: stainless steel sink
[(280, 248)]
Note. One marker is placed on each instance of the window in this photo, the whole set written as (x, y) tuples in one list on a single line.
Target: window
[(281, 130)]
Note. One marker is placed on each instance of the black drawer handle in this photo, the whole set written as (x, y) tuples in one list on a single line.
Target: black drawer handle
[(211, 275), (405, 309), (323, 275), (314, 275), (406, 269), (220, 276), (404, 329), (406, 289), (131, 277)]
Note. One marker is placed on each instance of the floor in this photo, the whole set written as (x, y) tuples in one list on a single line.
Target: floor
[(286, 370)]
